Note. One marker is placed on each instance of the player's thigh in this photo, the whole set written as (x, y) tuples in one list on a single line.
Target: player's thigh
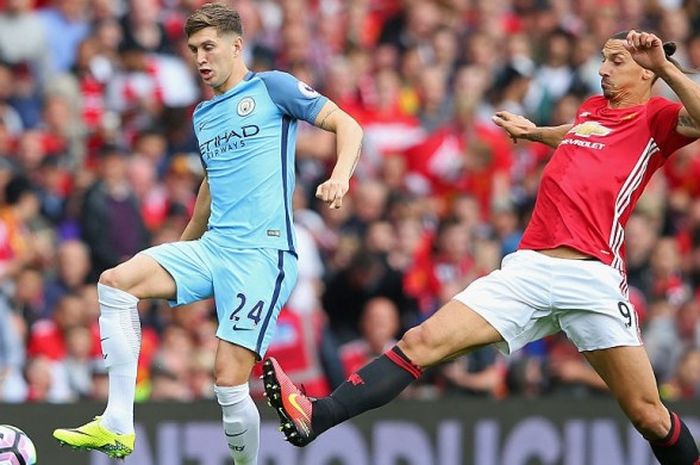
[(188, 265), (142, 277), (250, 288), (629, 375), (453, 329)]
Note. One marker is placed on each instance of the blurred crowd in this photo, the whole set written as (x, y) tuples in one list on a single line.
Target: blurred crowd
[(99, 161)]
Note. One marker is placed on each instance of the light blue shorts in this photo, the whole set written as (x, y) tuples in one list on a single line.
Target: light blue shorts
[(249, 286)]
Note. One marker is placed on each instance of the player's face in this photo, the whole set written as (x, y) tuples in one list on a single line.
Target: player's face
[(620, 74), (214, 55)]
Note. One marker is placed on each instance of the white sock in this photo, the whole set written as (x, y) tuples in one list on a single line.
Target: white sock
[(241, 423), (120, 333)]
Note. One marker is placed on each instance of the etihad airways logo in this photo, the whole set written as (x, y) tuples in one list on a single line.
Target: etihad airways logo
[(590, 128), (227, 141)]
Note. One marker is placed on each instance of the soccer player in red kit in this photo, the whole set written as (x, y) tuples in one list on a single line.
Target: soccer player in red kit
[(568, 274)]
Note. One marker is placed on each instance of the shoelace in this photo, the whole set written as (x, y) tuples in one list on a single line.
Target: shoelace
[(302, 389)]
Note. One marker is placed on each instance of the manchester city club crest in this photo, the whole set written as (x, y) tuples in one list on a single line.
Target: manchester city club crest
[(306, 90), (246, 106)]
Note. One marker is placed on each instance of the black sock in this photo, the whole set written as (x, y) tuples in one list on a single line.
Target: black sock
[(372, 386), (678, 447)]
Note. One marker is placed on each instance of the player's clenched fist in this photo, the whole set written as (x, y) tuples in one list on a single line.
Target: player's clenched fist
[(332, 192), (636, 39), (646, 49)]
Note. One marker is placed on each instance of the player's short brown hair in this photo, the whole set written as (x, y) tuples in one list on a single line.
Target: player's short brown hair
[(217, 15)]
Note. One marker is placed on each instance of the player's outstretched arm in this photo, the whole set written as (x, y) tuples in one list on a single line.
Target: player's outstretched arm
[(200, 216), (519, 127), (348, 147), (648, 51)]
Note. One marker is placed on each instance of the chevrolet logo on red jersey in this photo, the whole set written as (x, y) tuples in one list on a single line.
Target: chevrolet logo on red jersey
[(590, 128)]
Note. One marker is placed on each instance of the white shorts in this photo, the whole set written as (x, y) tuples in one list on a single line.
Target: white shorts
[(534, 295)]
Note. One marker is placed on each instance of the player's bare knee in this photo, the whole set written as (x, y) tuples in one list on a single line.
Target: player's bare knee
[(111, 278), (224, 381), (229, 374), (420, 345), (413, 340), (228, 377), (121, 277), (651, 420)]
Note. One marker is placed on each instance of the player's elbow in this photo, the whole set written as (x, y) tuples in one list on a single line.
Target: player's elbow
[(357, 132), (351, 129), (357, 129)]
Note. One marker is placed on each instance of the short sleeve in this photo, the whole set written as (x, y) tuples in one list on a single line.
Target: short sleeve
[(662, 115), (294, 97)]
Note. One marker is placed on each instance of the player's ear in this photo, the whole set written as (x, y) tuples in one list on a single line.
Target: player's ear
[(237, 46), (647, 74)]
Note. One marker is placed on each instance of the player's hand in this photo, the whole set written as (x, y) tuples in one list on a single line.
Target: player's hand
[(646, 49), (517, 127), (332, 192)]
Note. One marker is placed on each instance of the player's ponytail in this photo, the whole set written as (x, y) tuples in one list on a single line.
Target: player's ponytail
[(669, 50)]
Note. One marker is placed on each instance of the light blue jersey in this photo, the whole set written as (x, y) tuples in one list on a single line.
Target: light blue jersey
[(247, 258), (247, 142)]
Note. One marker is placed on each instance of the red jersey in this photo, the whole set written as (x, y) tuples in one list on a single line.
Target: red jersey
[(597, 173)]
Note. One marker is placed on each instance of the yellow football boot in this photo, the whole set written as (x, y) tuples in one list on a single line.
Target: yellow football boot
[(94, 436)]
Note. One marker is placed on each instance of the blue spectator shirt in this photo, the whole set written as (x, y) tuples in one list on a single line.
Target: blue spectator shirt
[(63, 37)]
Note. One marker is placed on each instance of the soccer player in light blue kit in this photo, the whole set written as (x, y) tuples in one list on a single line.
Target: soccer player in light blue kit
[(239, 245)]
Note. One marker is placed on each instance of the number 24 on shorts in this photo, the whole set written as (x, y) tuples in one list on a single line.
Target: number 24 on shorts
[(255, 313)]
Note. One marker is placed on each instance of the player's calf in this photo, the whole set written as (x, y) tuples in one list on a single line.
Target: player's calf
[(374, 385), (678, 446), (241, 422)]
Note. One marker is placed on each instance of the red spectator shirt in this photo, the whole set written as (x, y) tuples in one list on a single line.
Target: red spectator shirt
[(438, 160), (597, 173)]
